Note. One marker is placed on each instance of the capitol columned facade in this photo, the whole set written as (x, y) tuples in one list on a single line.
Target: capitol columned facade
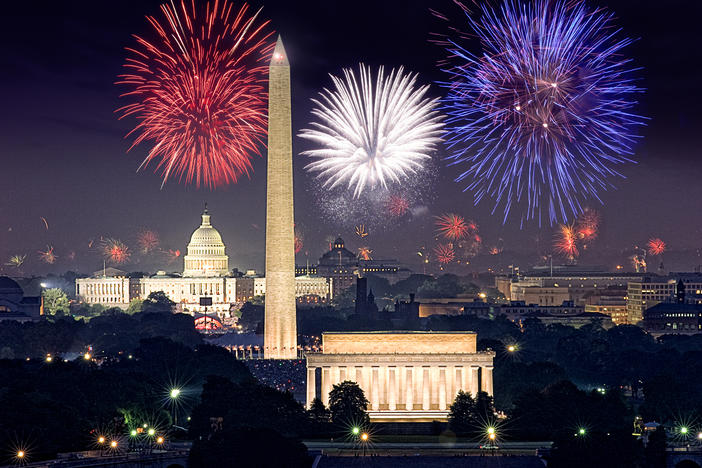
[(205, 274)]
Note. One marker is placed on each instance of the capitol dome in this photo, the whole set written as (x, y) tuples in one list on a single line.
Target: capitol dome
[(206, 252)]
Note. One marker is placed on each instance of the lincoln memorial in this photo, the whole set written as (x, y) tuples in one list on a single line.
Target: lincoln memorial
[(406, 376)]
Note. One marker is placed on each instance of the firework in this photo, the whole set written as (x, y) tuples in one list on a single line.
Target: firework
[(444, 253), (452, 226), (566, 242), (397, 205), (16, 260), (542, 117), (364, 253), (48, 256), (198, 90), (656, 246), (148, 241), (298, 240), (361, 231), (172, 255), (115, 251), (372, 133), (46, 223), (587, 224)]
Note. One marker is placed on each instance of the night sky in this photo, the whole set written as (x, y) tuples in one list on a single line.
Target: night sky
[(63, 153)]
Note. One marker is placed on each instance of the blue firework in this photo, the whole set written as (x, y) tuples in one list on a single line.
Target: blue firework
[(543, 117)]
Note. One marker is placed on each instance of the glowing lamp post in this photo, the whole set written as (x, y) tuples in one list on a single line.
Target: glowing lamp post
[(582, 432), (174, 394), (355, 430), (20, 454)]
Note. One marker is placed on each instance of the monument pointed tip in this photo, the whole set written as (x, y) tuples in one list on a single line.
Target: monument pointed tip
[(280, 57)]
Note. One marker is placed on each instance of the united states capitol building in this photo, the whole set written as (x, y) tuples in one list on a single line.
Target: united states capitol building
[(206, 274)]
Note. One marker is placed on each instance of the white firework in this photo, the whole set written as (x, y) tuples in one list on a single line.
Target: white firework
[(372, 134)]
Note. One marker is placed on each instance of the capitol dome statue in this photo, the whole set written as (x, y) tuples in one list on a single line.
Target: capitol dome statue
[(206, 255)]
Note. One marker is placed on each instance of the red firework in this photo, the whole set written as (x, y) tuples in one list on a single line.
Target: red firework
[(173, 255), (452, 226), (444, 253), (587, 224), (148, 241), (656, 246), (364, 253), (398, 205), (115, 251), (48, 255), (565, 242), (199, 91), (298, 241)]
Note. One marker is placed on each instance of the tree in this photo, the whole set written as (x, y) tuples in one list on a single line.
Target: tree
[(462, 414), (158, 301), (347, 404), (135, 306), (318, 412), (469, 415), (55, 302)]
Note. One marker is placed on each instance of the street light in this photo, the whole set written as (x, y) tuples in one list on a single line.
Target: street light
[(174, 393), (133, 433), (356, 430), (582, 431), (683, 430), (113, 444), (159, 440), (152, 431), (20, 454), (101, 440), (364, 436), (87, 356)]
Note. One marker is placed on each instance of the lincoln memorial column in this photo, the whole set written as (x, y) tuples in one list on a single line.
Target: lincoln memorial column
[(359, 377), (334, 375), (426, 386), (342, 374), (310, 386), (458, 382), (409, 390), (442, 388), (326, 385), (375, 391), (474, 381), (487, 380), (392, 388)]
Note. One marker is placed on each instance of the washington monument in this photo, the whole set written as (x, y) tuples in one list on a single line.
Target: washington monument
[(280, 330)]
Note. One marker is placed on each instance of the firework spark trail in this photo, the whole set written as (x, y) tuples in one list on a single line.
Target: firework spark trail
[(587, 224), (565, 242), (656, 246), (298, 240), (198, 91), (541, 119), (148, 241), (452, 226), (48, 256), (445, 253), (364, 253), (361, 231), (398, 205), (16, 260), (372, 133), (115, 251)]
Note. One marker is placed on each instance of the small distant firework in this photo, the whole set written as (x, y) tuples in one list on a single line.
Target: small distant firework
[(198, 91), (494, 250), (364, 253), (639, 260), (361, 231), (71, 256), (656, 246), (148, 241), (16, 260), (445, 253), (173, 255), (587, 224), (566, 242), (452, 226), (372, 132), (115, 251), (46, 223), (543, 116), (298, 240), (48, 256), (397, 205)]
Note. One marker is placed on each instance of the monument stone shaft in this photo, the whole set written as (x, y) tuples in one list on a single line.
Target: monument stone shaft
[(280, 331)]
